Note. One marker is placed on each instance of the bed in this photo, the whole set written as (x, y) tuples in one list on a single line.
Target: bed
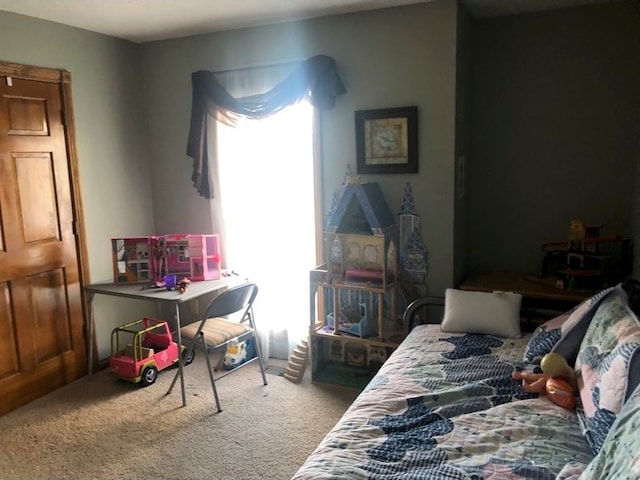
[(445, 405)]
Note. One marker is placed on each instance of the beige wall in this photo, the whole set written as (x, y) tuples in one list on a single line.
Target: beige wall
[(386, 58), (113, 154)]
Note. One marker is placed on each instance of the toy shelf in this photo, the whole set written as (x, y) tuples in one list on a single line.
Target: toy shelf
[(370, 297), (346, 360), (394, 337), (349, 343)]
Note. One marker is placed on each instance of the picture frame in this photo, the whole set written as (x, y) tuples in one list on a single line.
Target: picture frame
[(387, 140)]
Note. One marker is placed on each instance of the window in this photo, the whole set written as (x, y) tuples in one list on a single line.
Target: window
[(266, 181)]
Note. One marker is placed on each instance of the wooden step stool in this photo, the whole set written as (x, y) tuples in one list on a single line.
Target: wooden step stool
[(298, 362)]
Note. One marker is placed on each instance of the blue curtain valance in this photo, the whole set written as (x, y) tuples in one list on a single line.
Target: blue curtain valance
[(315, 79)]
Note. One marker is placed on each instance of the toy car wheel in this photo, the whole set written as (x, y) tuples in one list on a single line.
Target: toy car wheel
[(188, 354), (149, 375)]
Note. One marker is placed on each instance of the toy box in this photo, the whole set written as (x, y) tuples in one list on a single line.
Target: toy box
[(238, 353)]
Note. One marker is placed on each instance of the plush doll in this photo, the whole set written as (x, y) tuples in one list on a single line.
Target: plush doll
[(557, 380)]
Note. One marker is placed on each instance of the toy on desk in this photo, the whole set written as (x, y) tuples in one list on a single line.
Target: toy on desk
[(158, 284), (182, 285), (171, 282), (158, 266), (557, 380)]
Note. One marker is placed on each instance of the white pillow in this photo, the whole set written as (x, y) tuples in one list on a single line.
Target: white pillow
[(496, 313)]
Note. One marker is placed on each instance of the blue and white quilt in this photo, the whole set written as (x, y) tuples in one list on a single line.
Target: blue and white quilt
[(444, 406)]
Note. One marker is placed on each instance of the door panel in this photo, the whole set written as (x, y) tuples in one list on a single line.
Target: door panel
[(8, 347), (27, 116), (37, 208), (41, 325)]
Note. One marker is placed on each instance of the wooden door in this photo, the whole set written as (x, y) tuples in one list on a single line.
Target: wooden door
[(42, 344)]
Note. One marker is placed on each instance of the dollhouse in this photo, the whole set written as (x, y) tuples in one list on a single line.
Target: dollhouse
[(355, 325), (149, 259), (361, 236), (132, 259)]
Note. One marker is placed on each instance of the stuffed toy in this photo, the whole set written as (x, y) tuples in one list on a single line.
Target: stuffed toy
[(557, 380)]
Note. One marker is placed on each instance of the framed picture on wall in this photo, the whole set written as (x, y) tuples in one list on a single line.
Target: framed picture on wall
[(387, 140)]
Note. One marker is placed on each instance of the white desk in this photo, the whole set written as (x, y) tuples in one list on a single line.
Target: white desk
[(157, 295)]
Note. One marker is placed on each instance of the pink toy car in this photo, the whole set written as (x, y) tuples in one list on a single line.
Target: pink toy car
[(151, 349)]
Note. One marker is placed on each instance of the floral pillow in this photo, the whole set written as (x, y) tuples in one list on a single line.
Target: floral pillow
[(619, 456), (608, 367), (564, 333)]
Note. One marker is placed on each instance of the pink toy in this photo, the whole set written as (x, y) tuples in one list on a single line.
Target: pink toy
[(149, 259), (151, 349)]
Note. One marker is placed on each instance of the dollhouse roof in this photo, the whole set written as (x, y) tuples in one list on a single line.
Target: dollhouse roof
[(360, 209)]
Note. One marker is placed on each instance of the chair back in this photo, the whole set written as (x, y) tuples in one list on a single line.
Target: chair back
[(212, 333), (235, 299)]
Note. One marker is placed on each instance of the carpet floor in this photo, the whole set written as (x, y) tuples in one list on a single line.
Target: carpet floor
[(104, 428)]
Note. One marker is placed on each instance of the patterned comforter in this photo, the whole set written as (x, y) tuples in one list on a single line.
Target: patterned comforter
[(444, 406)]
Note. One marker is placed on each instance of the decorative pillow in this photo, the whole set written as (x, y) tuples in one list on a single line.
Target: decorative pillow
[(496, 313), (608, 366), (564, 333)]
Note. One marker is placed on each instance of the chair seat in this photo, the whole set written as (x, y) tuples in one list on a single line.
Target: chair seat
[(216, 331)]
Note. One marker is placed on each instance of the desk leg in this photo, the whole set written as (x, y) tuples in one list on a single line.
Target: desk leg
[(180, 361), (381, 316), (89, 338)]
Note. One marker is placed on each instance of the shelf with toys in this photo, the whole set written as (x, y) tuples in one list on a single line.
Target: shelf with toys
[(364, 310), (353, 328), (588, 260)]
